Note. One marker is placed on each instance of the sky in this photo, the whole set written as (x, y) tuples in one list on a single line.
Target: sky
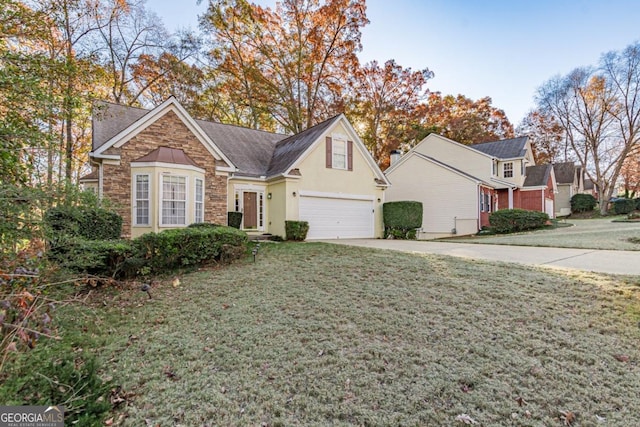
[(504, 49)]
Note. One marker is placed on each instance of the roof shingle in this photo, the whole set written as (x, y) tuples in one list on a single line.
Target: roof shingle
[(504, 149)]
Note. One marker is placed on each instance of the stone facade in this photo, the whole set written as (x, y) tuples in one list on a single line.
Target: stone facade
[(167, 131)]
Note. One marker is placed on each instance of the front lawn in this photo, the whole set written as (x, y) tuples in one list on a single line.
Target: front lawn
[(318, 334), (601, 233)]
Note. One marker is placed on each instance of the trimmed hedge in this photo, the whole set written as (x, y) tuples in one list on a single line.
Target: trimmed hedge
[(88, 223), (583, 203), (514, 220), (401, 219), (157, 253), (151, 253), (296, 230), (234, 219), (637, 203), (104, 258), (623, 206)]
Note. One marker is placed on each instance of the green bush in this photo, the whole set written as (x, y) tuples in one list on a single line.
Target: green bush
[(296, 230), (623, 206), (61, 377), (203, 225), (184, 247), (234, 219), (637, 203), (583, 203), (401, 219), (514, 220), (104, 258), (85, 222)]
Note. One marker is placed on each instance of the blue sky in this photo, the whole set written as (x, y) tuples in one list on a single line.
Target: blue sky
[(504, 49)]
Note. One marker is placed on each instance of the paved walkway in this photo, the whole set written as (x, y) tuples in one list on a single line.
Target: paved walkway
[(602, 261)]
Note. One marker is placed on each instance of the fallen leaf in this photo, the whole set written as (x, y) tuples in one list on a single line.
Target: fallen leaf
[(521, 401), (568, 418), (176, 282), (466, 419), (12, 347), (109, 422), (621, 357)]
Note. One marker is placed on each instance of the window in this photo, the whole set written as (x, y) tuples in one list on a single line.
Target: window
[(141, 200), (174, 200), (508, 170), (495, 168), (199, 202), (481, 201), (487, 202), (339, 153)]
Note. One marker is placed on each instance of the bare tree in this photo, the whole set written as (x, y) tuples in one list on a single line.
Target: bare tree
[(599, 110)]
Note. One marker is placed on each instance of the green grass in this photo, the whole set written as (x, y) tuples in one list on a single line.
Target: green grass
[(600, 233), (315, 334)]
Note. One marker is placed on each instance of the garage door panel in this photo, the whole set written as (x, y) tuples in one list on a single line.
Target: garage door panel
[(333, 218)]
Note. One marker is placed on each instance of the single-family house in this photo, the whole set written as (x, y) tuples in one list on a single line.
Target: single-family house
[(460, 185), (569, 180), (165, 169)]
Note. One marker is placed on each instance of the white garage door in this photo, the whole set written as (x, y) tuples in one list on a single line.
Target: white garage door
[(332, 218)]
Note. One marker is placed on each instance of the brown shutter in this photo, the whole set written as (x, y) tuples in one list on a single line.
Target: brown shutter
[(350, 155), (329, 152)]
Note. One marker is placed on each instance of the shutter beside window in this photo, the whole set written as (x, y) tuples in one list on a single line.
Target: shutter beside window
[(329, 152), (350, 155)]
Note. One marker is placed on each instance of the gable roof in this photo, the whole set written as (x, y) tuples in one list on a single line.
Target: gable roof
[(537, 175), (290, 149), (565, 172), (453, 169), (504, 149), (251, 152)]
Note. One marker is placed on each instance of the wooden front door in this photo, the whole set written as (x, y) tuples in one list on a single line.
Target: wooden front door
[(250, 214)]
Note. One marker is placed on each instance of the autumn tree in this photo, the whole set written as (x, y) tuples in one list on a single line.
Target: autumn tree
[(285, 67), (384, 106), (464, 120), (546, 136), (630, 174), (25, 101), (599, 110)]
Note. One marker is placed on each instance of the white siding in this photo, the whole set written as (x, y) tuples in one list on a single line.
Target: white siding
[(444, 194)]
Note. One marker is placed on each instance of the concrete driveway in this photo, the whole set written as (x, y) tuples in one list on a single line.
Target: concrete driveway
[(601, 261)]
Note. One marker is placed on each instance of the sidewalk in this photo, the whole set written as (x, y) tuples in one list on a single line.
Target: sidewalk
[(601, 261)]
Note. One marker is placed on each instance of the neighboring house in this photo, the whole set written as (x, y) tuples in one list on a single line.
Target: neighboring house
[(570, 182), (460, 185), (168, 170)]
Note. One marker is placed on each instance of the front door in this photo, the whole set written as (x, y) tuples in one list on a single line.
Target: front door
[(250, 214)]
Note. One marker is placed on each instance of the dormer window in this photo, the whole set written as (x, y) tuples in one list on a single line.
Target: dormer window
[(507, 170)]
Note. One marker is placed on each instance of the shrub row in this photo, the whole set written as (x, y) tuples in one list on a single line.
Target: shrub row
[(401, 219), (513, 220)]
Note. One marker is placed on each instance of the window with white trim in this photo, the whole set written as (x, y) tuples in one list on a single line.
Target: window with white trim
[(339, 153), (487, 202), (141, 200), (507, 170), (174, 200), (481, 201), (199, 201)]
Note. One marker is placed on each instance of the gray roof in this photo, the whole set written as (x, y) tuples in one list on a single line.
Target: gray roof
[(565, 172), (110, 119), (250, 150), (289, 150), (504, 149), (537, 175), (254, 152)]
